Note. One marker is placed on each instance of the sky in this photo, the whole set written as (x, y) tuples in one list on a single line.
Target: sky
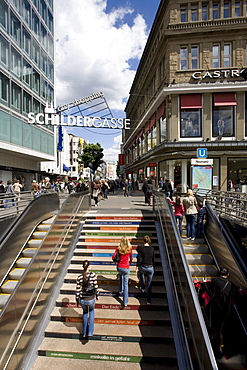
[(98, 46)]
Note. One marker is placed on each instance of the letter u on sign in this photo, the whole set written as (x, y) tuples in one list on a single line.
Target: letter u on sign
[(202, 153)]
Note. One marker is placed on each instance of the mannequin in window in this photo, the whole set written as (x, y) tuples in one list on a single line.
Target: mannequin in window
[(221, 126), (189, 127)]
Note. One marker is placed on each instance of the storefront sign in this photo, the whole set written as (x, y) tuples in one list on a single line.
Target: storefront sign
[(78, 121), (226, 73), (201, 162), (152, 164)]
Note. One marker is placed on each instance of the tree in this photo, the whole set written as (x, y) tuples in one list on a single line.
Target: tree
[(92, 156)]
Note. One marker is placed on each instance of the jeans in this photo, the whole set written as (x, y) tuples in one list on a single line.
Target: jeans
[(123, 285), (190, 227), (149, 273), (88, 316), (199, 229), (179, 220)]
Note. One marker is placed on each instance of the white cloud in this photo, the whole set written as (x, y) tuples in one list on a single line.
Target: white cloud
[(111, 154), (93, 49)]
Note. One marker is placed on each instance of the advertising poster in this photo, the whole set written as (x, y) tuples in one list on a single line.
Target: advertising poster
[(202, 177)]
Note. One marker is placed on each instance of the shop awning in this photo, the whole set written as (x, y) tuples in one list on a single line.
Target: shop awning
[(161, 110), (191, 101), (224, 99)]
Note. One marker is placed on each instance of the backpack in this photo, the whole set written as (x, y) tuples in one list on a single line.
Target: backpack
[(149, 188), (88, 290)]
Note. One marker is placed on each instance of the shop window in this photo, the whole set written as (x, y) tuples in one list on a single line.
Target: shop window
[(4, 51), (3, 15), (226, 10), (162, 122), (4, 88), (193, 13), (15, 29), (149, 140), (190, 115), (238, 9), (204, 12), (216, 56), (183, 14), (16, 96), (183, 58), (154, 137), (223, 115), (215, 11)]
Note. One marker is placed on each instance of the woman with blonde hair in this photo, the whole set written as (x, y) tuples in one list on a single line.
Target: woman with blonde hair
[(190, 208), (124, 253)]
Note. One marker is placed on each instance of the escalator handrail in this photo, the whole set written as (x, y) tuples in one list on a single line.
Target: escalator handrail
[(203, 328)]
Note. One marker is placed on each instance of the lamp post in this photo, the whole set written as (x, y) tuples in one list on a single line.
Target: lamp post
[(90, 165)]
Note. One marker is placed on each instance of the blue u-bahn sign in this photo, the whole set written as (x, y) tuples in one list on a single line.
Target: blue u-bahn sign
[(202, 153)]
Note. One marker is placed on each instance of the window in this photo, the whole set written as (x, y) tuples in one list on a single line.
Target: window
[(215, 11), (4, 51), (43, 89), (36, 106), (43, 62), (35, 24), (16, 4), (16, 96), (238, 9), (4, 88), (216, 56), (26, 12), (154, 137), (223, 114), (193, 13), (36, 3), (50, 2), (15, 62), (27, 73), (15, 29), (162, 129), (26, 103), (36, 53), (50, 47), (204, 12), (183, 14), (183, 58), (50, 21), (226, 11), (190, 115), (227, 55), (194, 57), (3, 15), (43, 10), (246, 114), (26, 41), (50, 70), (43, 35), (36, 81), (50, 93)]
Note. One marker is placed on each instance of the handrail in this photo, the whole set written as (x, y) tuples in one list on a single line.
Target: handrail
[(229, 204), (34, 294), (200, 346)]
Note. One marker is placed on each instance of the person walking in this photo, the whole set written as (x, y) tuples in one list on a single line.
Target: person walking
[(145, 264), (190, 208), (220, 290), (9, 194), (178, 211), (149, 191), (123, 267), (96, 192), (87, 292), (200, 220), (126, 188)]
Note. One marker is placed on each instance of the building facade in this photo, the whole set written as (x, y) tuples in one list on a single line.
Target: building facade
[(189, 93), (26, 85)]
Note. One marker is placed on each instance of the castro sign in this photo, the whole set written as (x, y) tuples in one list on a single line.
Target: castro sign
[(226, 73)]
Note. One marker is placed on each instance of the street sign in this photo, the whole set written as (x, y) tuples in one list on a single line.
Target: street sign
[(201, 161), (202, 153)]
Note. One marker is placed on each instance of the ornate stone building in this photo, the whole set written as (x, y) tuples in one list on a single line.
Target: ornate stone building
[(189, 93)]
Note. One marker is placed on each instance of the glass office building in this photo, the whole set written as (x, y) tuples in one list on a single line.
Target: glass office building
[(26, 85)]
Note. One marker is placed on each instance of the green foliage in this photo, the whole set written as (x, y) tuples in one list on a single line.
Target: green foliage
[(92, 154)]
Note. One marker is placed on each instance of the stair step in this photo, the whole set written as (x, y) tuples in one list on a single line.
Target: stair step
[(16, 273), (23, 262), (9, 286)]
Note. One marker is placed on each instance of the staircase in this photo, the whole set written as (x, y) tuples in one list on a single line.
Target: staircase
[(22, 261), (139, 335)]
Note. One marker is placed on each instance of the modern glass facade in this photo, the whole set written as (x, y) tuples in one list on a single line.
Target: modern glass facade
[(26, 75)]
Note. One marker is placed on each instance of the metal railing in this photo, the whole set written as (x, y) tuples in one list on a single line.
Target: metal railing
[(188, 325), (228, 204)]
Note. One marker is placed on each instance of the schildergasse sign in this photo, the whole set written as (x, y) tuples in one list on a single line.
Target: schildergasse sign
[(52, 116)]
